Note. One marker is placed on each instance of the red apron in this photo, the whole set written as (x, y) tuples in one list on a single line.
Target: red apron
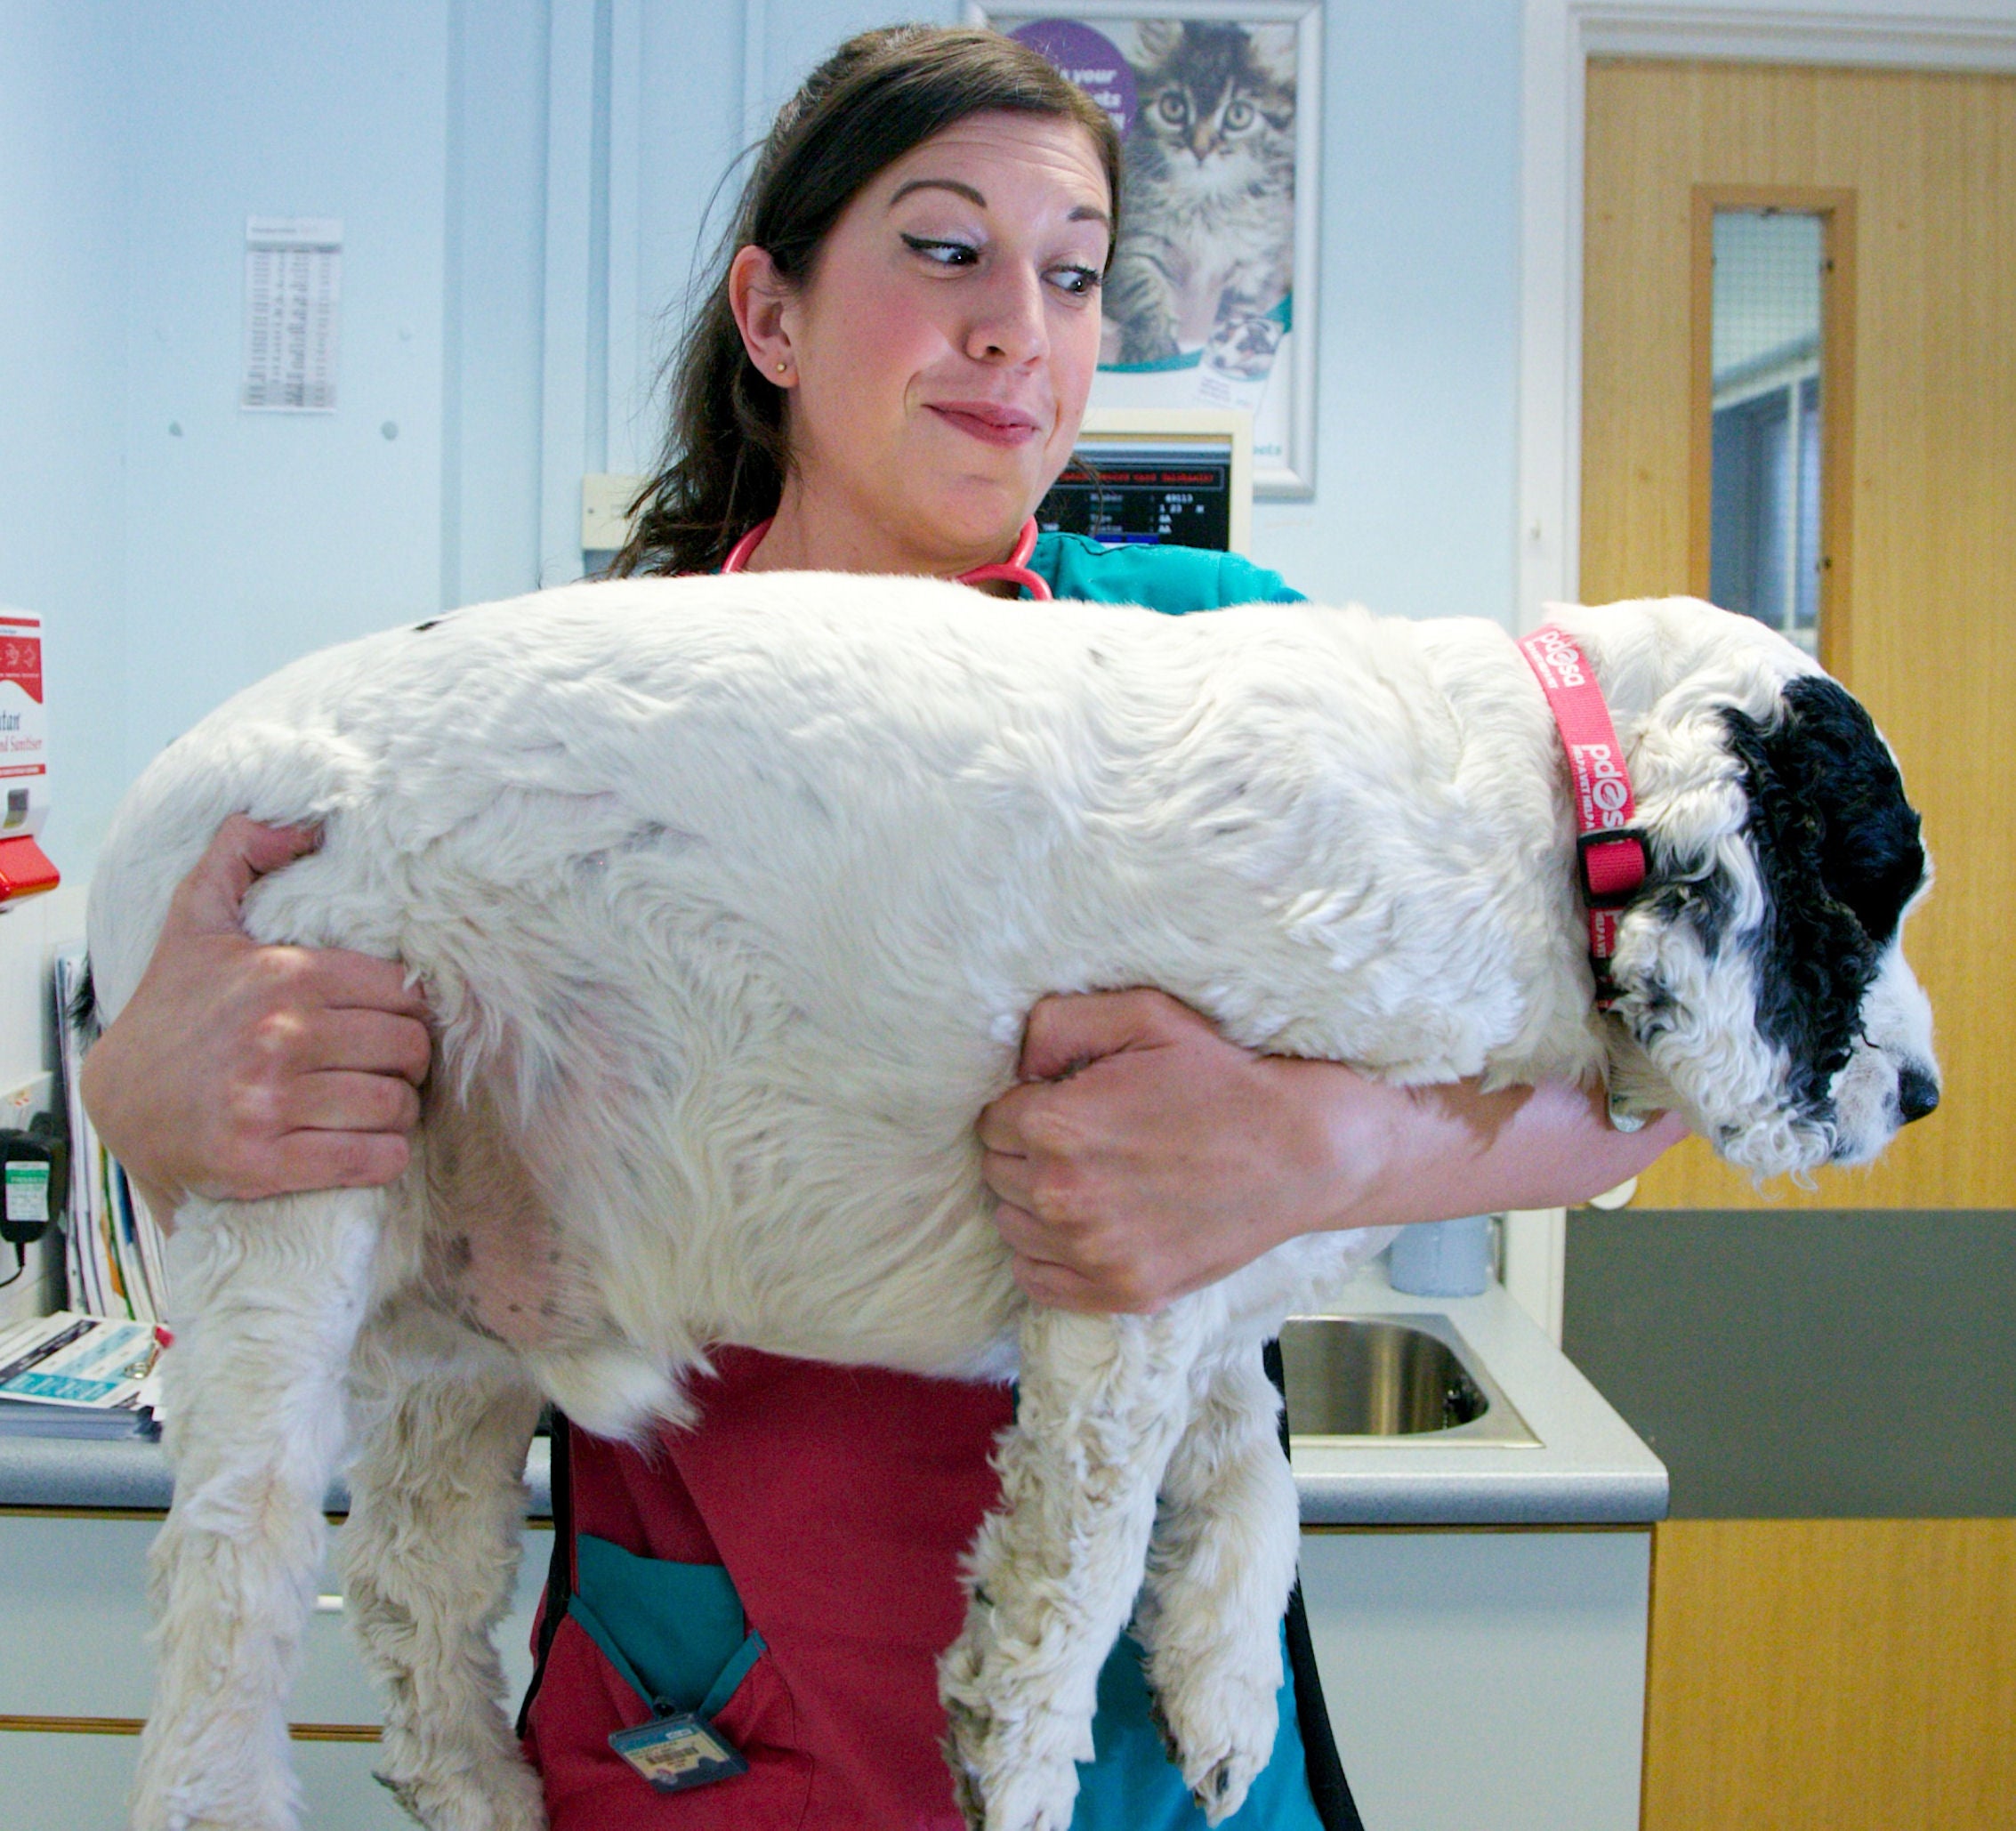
[(841, 1498)]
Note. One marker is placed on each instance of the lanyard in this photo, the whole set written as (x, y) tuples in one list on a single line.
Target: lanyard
[(1015, 569), (1609, 851)]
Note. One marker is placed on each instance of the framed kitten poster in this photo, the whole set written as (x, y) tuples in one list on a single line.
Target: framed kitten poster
[(1210, 299)]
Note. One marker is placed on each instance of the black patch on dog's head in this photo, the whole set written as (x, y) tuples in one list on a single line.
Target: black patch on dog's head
[(1871, 855), (1838, 849)]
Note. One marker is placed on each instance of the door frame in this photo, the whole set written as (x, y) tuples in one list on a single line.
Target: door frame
[(1558, 39)]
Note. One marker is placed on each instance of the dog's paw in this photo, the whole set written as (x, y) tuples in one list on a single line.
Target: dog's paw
[(1222, 1790), (499, 1796), (1221, 1733), (1008, 1795), (145, 1819), (1014, 1758), (177, 1789)]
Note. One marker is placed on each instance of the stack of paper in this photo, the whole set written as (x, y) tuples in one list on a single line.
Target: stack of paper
[(114, 1254), (71, 1375)]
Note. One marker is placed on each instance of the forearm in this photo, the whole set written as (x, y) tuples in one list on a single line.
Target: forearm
[(1143, 1156), (106, 1086), (1395, 1155)]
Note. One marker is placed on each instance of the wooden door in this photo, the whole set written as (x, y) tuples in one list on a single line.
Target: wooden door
[(1807, 1675), (1920, 616), (1819, 1675)]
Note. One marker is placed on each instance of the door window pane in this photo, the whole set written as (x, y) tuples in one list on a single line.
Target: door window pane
[(1764, 545)]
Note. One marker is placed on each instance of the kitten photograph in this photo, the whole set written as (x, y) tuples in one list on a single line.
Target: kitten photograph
[(1218, 119), (1206, 249)]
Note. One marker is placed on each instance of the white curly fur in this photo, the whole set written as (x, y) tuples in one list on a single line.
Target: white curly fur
[(738, 891)]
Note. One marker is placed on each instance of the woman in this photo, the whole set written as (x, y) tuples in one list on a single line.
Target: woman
[(889, 373)]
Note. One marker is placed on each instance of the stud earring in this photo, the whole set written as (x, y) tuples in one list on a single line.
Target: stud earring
[(782, 367)]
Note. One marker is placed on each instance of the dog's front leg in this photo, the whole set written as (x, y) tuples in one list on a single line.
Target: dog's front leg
[(1219, 1572), (268, 1300), (437, 1503), (1055, 1571)]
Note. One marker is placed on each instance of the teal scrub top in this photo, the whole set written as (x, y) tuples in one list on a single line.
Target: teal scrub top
[(1171, 580)]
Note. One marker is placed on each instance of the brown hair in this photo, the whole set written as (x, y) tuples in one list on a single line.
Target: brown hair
[(726, 450)]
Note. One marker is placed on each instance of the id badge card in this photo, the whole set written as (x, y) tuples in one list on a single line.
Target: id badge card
[(679, 1752)]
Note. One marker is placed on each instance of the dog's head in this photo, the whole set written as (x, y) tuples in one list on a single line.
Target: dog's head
[(1761, 979)]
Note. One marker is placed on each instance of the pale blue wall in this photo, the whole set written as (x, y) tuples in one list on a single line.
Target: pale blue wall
[(62, 385), (521, 182), (495, 276), (253, 535), (1416, 507), (137, 137)]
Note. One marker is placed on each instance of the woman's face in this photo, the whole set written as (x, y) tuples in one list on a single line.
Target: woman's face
[(940, 354)]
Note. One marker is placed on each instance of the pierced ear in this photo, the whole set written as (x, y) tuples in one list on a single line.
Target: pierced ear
[(762, 298)]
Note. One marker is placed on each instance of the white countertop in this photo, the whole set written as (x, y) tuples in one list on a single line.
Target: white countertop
[(1587, 1468)]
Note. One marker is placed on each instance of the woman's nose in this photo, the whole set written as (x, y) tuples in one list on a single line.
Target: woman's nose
[(1008, 325)]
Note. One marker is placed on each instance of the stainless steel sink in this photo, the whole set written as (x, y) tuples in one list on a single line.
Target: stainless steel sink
[(1391, 1379)]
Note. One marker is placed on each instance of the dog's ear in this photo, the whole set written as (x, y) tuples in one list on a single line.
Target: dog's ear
[(1867, 837)]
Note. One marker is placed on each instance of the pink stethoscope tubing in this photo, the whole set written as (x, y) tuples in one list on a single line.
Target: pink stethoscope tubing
[(1015, 569)]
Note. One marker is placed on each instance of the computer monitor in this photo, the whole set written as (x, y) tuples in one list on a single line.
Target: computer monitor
[(1166, 475), (1180, 476)]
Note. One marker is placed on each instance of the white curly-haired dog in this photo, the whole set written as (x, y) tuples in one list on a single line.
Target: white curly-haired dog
[(730, 896)]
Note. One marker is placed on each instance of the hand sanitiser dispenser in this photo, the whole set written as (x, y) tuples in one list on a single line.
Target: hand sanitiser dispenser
[(24, 759)]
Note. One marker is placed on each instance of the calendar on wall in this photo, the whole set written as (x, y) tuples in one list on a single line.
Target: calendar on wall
[(293, 269)]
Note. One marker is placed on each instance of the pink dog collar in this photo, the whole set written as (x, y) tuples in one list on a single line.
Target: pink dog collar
[(1609, 851)]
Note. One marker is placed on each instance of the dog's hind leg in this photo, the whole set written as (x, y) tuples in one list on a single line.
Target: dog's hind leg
[(1220, 1569), (428, 1554), (1055, 1571), (268, 1298)]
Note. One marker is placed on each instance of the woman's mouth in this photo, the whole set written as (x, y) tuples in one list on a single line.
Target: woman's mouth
[(989, 423)]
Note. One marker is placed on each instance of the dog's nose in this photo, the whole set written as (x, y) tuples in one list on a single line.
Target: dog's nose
[(1918, 1094)]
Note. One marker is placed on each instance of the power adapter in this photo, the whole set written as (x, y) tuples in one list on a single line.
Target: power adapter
[(35, 1185)]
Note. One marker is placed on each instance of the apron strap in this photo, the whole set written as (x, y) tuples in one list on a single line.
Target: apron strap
[(1327, 1785), (559, 1573)]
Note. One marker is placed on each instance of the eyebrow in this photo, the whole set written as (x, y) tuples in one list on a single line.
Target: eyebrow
[(1084, 213)]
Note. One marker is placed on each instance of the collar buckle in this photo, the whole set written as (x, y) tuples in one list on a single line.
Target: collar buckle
[(1609, 881)]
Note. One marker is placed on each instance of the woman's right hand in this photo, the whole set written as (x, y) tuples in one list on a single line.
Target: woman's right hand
[(238, 1071)]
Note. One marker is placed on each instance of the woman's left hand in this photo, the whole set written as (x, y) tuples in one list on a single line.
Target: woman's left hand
[(1143, 1156)]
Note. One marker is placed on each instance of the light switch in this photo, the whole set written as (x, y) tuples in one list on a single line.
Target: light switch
[(606, 496)]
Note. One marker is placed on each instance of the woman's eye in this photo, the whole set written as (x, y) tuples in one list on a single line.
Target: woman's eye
[(944, 254), (1080, 282)]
